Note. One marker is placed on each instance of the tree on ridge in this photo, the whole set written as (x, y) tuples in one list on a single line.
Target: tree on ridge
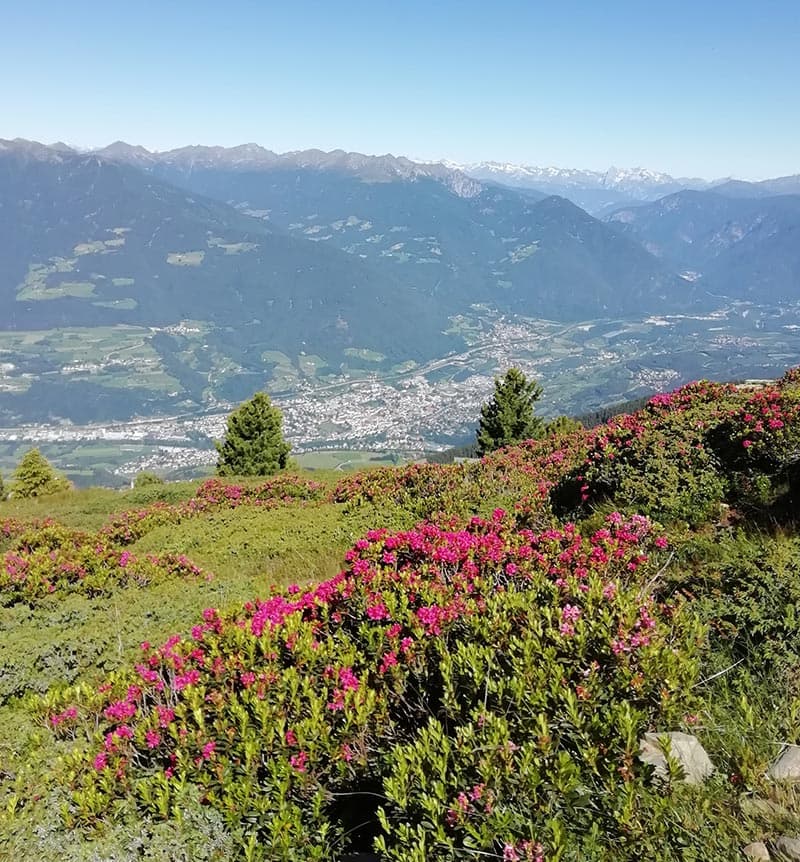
[(508, 417), (253, 444), (35, 477)]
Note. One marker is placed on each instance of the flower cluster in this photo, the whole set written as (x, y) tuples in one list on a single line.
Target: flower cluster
[(213, 494), (56, 560), (314, 688), (660, 460)]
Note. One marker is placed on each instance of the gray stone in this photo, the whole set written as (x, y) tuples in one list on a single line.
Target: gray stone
[(787, 849), (787, 765), (757, 851), (684, 749)]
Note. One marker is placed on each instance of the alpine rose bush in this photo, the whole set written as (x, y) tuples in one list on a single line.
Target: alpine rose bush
[(56, 560), (529, 649)]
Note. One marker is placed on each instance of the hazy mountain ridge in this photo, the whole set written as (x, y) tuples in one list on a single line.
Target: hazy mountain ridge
[(306, 269), (469, 242), (745, 246), (384, 168), (594, 191)]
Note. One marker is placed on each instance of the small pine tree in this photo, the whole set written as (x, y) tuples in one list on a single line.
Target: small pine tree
[(253, 444), (562, 425), (2, 488), (35, 477), (145, 477), (508, 418)]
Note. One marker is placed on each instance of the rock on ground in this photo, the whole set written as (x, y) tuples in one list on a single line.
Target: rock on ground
[(684, 748), (787, 849), (787, 765)]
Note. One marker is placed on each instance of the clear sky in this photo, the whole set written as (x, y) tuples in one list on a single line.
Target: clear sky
[(704, 88)]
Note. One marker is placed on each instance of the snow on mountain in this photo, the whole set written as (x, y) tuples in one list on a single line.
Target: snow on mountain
[(638, 183)]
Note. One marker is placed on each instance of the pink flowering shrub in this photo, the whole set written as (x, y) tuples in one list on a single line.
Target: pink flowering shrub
[(656, 461), (54, 560), (535, 659), (519, 477), (212, 495), (759, 443)]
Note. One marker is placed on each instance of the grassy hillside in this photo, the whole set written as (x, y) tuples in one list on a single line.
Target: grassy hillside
[(433, 662)]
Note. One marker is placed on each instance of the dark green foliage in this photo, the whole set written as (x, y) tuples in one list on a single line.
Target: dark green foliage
[(758, 443), (448, 456), (747, 586), (593, 418), (655, 461), (508, 418), (562, 425), (2, 488), (145, 478), (253, 444), (35, 477)]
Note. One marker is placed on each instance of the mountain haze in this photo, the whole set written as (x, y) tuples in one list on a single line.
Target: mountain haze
[(595, 191), (745, 247), (136, 283)]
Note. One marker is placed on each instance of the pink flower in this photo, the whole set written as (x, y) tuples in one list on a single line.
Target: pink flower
[(348, 679), (101, 761), (120, 710), (299, 761), (165, 715), (378, 611), (389, 660), (207, 751), (153, 738), (191, 677)]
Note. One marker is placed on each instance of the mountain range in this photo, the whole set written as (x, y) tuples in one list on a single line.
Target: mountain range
[(598, 192), (342, 256), (241, 233)]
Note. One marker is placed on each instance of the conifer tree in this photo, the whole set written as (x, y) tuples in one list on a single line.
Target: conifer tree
[(253, 444), (35, 477), (562, 425), (144, 478), (508, 417), (2, 488)]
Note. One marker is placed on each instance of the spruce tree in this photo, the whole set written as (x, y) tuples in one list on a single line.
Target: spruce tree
[(35, 477), (2, 488), (508, 417), (562, 425), (253, 444)]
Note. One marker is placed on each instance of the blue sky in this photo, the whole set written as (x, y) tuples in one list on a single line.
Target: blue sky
[(703, 88)]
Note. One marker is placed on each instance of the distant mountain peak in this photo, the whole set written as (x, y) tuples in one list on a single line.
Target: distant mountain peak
[(612, 176), (251, 156)]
